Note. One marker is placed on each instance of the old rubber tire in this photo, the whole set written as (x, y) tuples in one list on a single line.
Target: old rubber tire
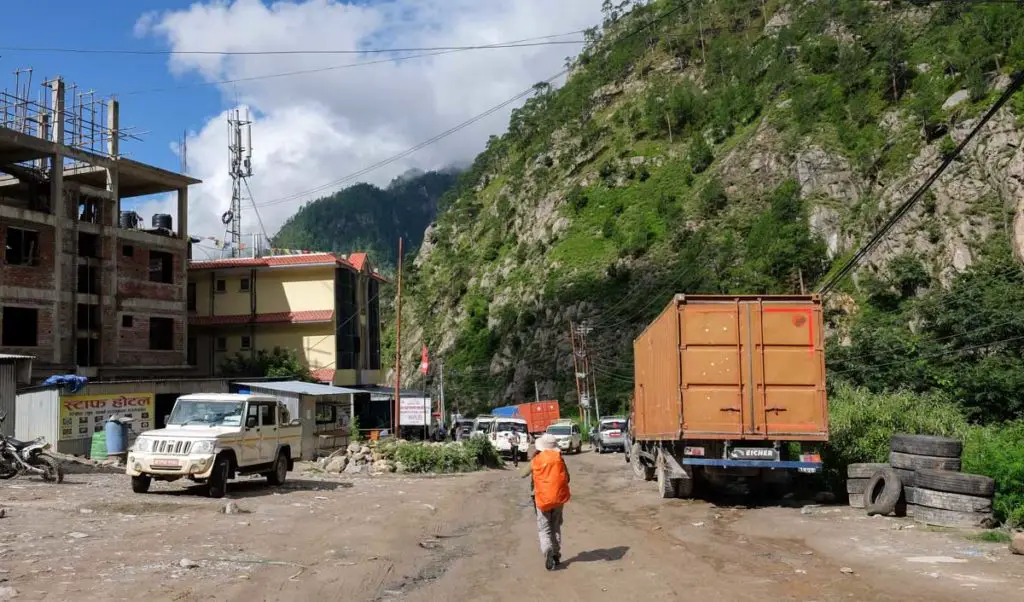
[(952, 518), (141, 483), (641, 471), (883, 492), (52, 472), (926, 445), (217, 485), (277, 476), (955, 482), (667, 488), (908, 477), (857, 500), (856, 485), (915, 462), (863, 471), (941, 500)]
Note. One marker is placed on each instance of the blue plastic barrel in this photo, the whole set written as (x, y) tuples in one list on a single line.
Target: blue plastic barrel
[(116, 437)]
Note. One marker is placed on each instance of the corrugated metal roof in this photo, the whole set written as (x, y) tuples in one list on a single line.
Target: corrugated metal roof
[(300, 388), (294, 317), (8, 356)]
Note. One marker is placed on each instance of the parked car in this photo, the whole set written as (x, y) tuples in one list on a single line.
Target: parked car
[(502, 432), (482, 426), (609, 434), (463, 429), (568, 437), (212, 437)]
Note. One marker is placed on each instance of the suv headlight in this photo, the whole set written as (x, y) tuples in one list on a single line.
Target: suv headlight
[(142, 444), (203, 447)]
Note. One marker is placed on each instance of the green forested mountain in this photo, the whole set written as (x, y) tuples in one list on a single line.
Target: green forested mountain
[(745, 146), (367, 218)]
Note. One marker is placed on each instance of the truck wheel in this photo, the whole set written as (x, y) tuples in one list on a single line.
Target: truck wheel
[(217, 485), (667, 488), (641, 471), (141, 483), (277, 476)]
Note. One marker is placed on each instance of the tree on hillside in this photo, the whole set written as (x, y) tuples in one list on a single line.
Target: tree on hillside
[(277, 363)]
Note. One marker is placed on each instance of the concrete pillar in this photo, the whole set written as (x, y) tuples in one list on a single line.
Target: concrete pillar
[(183, 213), (183, 233), (113, 148), (57, 203)]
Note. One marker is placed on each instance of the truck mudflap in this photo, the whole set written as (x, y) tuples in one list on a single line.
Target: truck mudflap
[(802, 466)]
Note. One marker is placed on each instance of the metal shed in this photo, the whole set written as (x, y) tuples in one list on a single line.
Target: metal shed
[(325, 411), (14, 370)]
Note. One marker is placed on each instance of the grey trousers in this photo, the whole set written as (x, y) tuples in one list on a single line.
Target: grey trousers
[(549, 527)]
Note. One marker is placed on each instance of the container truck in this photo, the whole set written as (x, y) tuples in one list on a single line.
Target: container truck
[(539, 415), (729, 387)]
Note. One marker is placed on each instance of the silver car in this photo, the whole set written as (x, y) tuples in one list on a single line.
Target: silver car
[(610, 434)]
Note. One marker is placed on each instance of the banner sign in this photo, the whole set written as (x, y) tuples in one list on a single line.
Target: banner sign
[(83, 415), (414, 411)]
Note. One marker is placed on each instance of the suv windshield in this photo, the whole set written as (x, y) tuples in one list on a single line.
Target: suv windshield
[(483, 426), (206, 412), (612, 425), (517, 427), (559, 430)]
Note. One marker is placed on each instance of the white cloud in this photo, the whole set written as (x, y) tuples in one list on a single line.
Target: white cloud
[(310, 130)]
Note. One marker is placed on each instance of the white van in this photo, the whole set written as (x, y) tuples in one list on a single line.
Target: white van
[(502, 432), (482, 426)]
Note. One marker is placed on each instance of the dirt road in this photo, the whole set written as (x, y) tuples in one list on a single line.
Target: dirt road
[(468, 537)]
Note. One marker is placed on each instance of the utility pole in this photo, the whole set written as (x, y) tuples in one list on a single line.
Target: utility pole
[(536, 391), (581, 367), (444, 407), (398, 347), (240, 168), (584, 330)]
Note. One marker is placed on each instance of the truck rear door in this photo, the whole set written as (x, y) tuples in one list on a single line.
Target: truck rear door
[(752, 368)]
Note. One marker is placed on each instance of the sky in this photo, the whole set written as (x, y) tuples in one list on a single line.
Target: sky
[(311, 130)]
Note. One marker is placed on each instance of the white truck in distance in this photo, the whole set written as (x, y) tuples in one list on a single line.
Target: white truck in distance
[(212, 437)]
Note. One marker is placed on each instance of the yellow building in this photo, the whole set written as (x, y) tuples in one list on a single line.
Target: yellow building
[(323, 306)]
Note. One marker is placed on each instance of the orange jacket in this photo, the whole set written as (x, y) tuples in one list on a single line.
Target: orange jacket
[(550, 480)]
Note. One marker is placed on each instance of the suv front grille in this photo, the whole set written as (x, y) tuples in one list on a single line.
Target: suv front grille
[(172, 447)]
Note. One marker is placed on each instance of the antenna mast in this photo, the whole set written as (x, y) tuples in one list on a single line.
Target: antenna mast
[(240, 168)]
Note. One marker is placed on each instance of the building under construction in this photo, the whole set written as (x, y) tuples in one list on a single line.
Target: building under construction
[(86, 287)]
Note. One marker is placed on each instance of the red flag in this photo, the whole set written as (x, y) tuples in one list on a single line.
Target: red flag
[(424, 362)]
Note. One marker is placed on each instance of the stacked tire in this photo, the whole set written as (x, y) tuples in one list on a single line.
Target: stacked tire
[(951, 499), (857, 477), (910, 453)]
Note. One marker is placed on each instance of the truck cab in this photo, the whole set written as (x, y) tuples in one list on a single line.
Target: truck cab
[(210, 438)]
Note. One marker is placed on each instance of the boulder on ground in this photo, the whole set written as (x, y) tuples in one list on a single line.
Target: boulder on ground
[(1017, 544), (337, 464), (353, 448)]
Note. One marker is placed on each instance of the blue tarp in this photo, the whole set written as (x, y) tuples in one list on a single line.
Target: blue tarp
[(506, 411), (71, 382)]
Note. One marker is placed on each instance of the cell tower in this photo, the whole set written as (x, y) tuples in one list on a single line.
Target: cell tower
[(240, 168)]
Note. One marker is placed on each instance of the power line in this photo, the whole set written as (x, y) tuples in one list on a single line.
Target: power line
[(903, 209), (322, 69), (288, 52), (932, 356)]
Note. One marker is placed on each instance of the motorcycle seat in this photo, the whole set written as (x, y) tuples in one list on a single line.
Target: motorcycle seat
[(20, 445)]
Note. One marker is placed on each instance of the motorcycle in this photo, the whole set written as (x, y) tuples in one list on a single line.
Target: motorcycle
[(28, 457)]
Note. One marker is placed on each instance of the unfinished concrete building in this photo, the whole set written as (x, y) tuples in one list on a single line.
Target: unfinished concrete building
[(86, 287)]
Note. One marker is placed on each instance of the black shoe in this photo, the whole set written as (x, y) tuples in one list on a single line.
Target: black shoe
[(549, 561), (558, 560)]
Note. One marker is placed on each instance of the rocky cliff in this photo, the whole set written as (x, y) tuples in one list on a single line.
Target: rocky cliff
[(741, 146)]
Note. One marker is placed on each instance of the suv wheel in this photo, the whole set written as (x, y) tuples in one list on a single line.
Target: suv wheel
[(217, 485), (141, 483), (277, 476)]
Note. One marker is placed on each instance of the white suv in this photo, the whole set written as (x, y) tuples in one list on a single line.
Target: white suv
[(568, 436), (211, 437)]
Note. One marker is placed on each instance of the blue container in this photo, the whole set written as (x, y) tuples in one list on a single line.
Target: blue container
[(510, 411), (117, 436)]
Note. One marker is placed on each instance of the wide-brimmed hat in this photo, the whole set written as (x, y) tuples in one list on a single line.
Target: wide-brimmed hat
[(546, 442)]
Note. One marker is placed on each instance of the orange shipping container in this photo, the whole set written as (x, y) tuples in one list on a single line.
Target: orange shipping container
[(732, 368), (539, 415)]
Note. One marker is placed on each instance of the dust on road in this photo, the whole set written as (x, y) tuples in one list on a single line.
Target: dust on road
[(468, 537)]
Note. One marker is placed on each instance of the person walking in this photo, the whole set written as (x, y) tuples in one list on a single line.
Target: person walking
[(550, 485), (513, 442)]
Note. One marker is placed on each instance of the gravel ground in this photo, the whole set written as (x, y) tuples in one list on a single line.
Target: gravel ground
[(466, 537)]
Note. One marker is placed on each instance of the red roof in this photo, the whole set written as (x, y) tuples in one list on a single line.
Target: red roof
[(324, 375), (294, 317), (271, 262), (358, 260)]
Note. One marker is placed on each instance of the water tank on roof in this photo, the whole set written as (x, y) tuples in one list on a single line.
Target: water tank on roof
[(129, 220), (162, 221)]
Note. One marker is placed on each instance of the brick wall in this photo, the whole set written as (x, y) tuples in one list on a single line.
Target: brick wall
[(133, 341), (133, 276), (38, 276)]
